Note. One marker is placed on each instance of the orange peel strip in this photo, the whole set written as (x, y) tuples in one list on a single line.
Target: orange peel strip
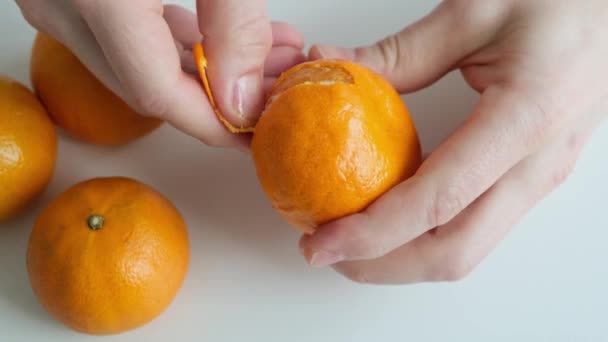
[(201, 65)]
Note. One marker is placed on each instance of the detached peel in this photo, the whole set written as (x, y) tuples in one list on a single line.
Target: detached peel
[(201, 65)]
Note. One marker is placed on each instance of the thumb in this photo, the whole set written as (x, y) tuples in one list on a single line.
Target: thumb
[(422, 53), (238, 37)]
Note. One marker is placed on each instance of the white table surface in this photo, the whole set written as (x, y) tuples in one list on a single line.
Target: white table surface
[(247, 281)]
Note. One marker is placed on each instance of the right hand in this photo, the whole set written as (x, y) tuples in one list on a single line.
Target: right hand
[(539, 67), (140, 50)]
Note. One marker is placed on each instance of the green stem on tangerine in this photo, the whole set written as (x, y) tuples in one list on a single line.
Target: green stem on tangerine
[(95, 222)]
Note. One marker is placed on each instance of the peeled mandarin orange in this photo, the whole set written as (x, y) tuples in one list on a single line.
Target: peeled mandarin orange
[(28, 148), (78, 102), (334, 136), (108, 255)]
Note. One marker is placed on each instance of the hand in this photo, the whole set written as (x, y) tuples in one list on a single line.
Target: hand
[(540, 67), (140, 50)]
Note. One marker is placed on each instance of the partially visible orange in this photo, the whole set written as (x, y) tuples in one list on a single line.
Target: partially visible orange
[(28, 148), (78, 102), (108, 255), (334, 136)]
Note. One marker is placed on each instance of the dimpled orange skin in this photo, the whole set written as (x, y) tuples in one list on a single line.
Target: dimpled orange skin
[(118, 277), (78, 102), (334, 137), (28, 148)]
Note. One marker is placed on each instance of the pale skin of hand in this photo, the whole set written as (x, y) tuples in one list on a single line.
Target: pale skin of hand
[(538, 66), (540, 69), (140, 49)]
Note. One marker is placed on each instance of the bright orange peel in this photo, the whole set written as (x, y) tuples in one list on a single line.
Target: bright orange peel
[(201, 65)]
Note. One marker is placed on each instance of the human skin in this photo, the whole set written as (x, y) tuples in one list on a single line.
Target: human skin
[(539, 67), (140, 49)]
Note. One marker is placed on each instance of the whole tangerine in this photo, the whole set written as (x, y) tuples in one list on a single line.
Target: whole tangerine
[(108, 255)]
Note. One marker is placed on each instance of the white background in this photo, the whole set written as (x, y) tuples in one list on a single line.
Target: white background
[(247, 282)]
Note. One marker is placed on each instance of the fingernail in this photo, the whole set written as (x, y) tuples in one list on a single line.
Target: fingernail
[(248, 99), (328, 51), (323, 258)]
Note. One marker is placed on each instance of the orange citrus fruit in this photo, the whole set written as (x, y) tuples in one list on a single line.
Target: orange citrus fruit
[(78, 102), (108, 255), (28, 148), (333, 137)]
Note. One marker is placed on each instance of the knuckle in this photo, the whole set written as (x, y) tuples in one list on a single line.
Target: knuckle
[(538, 116), (254, 48), (389, 51), (395, 53), (362, 242), (152, 103), (256, 22), (252, 37), (540, 121), (368, 247), (446, 204), (561, 174)]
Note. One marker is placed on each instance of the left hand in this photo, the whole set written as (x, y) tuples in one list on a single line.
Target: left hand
[(540, 67), (140, 50)]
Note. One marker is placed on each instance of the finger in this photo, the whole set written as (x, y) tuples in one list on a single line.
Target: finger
[(184, 28), (183, 25), (268, 83), (506, 126), (284, 34), (286, 51), (140, 49), (238, 38), (422, 53), (282, 58), (455, 249), (188, 62)]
